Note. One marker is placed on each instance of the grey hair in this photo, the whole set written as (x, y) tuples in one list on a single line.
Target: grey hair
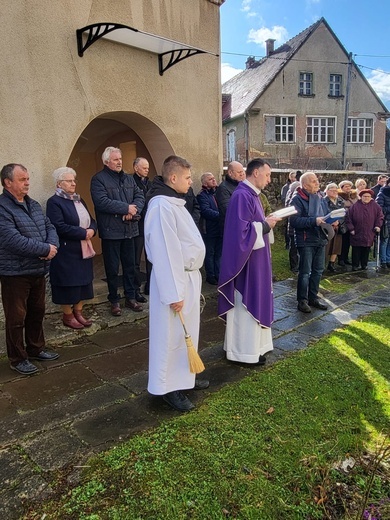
[(58, 174), (331, 185), (305, 176), (107, 153), (205, 175)]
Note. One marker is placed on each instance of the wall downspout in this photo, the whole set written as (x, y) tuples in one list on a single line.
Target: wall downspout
[(246, 136), (347, 97)]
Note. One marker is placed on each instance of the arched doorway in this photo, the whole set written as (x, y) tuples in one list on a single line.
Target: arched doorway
[(133, 133)]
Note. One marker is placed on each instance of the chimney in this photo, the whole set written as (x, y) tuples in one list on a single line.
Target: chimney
[(250, 63), (269, 46)]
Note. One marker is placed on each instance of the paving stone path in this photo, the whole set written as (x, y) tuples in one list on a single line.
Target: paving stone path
[(94, 396)]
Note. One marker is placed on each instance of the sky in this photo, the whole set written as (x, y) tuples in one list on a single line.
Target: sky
[(360, 25)]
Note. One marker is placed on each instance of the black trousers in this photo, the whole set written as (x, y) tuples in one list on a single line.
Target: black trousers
[(123, 252), (139, 248), (360, 256)]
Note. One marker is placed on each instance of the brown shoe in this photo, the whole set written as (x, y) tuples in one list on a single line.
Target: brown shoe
[(116, 309), (70, 321), (133, 305), (80, 318)]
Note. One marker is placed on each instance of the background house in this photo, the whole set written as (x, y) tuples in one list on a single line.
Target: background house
[(306, 105)]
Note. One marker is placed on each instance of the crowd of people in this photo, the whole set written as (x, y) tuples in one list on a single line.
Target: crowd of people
[(228, 229)]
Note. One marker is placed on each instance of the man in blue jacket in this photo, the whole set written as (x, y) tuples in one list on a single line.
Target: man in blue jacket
[(118, 204), (210, 228), (310, 240), (28, 241)]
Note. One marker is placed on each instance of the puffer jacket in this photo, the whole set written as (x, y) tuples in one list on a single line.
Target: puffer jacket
[(25, 237), (209, 222), (306, 231), (112, 193), (383, 199)]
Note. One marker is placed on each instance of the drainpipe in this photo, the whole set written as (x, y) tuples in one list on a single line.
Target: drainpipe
[(246, 134), (347, 96)]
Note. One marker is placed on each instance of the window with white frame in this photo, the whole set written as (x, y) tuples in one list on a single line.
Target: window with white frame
[(279, 129), (320, 129), (231, 145), (360, 130), (335, 85), (306, 83)]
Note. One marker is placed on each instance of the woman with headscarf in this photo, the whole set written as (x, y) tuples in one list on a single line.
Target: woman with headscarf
[(364, 219), (71, 271)]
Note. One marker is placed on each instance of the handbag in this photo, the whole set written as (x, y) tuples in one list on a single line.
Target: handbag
[(343, 228), (87, 250)]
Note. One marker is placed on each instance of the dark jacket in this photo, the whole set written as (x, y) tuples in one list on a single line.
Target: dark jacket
[(192, 205), (223, 194), (362, 219), (68, 268), (209, 222), (383, 199), (112, 193), (144, 184), (25, 237), (306, 231)]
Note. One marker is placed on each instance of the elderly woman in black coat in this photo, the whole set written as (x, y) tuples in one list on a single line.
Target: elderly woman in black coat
[(71, 272)]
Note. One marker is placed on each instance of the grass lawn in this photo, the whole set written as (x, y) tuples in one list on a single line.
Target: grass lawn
[(266, 448)]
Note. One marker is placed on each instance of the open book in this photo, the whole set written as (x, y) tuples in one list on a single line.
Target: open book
[(284, 212), (334, 215)]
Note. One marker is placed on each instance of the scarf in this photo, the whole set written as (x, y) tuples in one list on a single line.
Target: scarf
[(61, 193)]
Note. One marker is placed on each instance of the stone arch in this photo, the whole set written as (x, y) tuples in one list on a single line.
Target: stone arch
[(135, 134)]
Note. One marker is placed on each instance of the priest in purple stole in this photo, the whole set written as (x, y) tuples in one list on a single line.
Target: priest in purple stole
[(245, 284)]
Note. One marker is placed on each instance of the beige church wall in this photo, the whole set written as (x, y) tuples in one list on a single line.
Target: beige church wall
[(50, 94)]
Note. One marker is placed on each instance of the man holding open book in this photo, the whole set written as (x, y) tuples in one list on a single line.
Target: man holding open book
[(310, 240)]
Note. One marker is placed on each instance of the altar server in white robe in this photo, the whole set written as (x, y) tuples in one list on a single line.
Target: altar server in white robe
[(175, 247)]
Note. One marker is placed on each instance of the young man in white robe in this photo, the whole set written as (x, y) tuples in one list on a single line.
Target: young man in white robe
[(176, 250)]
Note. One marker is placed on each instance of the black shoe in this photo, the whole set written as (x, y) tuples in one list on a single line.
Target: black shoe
[(201, 384), (383, 265), (341, 263), (260, 362), (45, 355), (303, 306), (212, 281), (347, 262), (25, 368), (318, 305), (363, 268), (178, 401), (140, 298), (354, 268), (146, 289), (331, 267)]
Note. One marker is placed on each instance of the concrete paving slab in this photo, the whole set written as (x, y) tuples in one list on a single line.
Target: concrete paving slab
[(78, 352), (6, 407), (358, 309), (136, 383), (54, 449), (31, 393), (120, 363), (125, 334), (291, 342), (320, 327), (115, 424), (13, 428), (212, 331)]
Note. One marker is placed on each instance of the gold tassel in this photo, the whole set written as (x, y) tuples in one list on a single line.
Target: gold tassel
[(194, 360)]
